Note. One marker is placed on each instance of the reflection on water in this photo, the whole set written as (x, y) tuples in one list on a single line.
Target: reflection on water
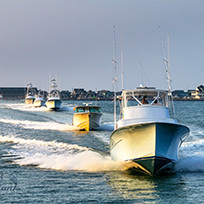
[(146, 189), (132, 187)]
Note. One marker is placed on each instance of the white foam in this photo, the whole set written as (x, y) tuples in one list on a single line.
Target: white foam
[(31, 107), (58, 155), (83, 161), (189, 148), (24, 107), (40, 125), (193, 163), (191, 156), (40, 143)]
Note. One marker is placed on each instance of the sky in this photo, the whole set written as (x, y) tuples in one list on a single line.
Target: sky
[(72, 40)]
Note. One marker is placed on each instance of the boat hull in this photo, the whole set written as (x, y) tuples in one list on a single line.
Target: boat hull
[(54, 104), (87, 121), (29, 100), (149, 147), (39, 103)]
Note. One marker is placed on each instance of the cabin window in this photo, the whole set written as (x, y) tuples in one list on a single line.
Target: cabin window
[(80, 110), (92, 110), (132, 99), (95, 110)]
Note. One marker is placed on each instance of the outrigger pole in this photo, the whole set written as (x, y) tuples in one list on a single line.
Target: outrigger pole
[(167, 67), (114, 74), (122, 67)]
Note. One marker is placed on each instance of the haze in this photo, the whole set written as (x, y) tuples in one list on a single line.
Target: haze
[(73, 41)]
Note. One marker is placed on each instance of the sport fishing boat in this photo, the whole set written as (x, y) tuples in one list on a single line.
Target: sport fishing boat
[(39, 99), (145, 135), (87, 117), (29, 98), (53, 100)]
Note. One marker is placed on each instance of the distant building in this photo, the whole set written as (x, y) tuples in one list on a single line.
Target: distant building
[(78, 93), (179, 94), (104, 94), (18, 93), (198, 93), (65, 95), (90, 95), (14, 92)]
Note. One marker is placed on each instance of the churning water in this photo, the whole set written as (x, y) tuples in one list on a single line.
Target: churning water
[(44, 159)]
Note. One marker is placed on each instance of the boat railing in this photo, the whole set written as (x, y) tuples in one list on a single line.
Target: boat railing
[(136, 98), (156, 98)]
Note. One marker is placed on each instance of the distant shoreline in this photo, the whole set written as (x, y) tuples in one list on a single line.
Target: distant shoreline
[(98, 100), (191, 99)]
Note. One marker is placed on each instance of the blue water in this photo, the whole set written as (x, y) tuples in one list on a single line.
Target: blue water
[(45, 160)]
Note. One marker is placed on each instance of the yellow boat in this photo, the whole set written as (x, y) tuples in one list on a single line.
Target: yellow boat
[(87, 117)]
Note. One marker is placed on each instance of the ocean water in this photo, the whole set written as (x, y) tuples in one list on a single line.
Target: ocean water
[(43, 159)]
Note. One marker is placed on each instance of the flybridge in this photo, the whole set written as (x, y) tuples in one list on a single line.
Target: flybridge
[(145, 96)]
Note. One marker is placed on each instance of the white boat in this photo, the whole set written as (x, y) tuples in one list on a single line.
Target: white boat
[(53, 100), (39, 99), (87, 117), (146, 136), (29, 98)]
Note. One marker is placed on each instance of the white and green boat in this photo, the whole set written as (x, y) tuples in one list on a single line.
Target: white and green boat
[(29, 98), (146, 137), (53, 100)]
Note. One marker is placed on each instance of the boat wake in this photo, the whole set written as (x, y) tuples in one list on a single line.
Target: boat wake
[(27, 124), (57, 155), (25, 107), (62, 156), (194, 163), (192, 157), (31, 107)]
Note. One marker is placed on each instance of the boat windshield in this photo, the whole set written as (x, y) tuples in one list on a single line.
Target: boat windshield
[(88, 109), (80, 110), (145, 97), (95, 110), (54, 93)]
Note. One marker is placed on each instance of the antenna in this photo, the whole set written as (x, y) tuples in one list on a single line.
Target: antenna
[(167, 67), (141, 74), (114, 74), (122, 67), (96, 97), (49, 83)]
